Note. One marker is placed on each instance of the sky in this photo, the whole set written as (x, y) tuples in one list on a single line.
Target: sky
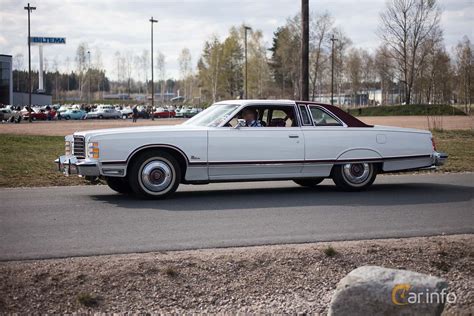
[(119, 25)]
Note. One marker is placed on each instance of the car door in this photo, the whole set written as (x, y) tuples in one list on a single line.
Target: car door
[(255, 152)]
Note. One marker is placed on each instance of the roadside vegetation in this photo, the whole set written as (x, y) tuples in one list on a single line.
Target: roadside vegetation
[(411, 109), (27, 161)]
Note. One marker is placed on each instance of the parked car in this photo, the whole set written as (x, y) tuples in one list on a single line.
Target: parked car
[(8, 115), (36, 114), (164, 113), (301, 141), (103, 112), (73, 114), (126, 112)]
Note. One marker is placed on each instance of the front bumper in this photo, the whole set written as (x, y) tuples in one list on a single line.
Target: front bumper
[(439, 159), (70, 165)]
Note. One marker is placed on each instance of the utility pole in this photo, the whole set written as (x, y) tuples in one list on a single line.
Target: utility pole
[(333, 40), (246, 28), (89, 76), (304, 50), (152, 78), (29, 9)]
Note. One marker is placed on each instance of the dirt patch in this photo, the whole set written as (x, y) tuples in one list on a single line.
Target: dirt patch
[(62, 128), (265, 279)]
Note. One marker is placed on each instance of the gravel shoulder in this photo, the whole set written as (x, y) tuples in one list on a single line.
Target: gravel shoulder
[(264, 279)]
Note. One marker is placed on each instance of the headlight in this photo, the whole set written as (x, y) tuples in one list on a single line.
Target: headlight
[(93, 150), (67, 148)]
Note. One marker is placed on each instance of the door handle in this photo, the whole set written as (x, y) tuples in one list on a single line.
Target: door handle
[(293, 136)]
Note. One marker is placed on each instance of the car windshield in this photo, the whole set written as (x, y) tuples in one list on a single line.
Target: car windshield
[(212, 116)]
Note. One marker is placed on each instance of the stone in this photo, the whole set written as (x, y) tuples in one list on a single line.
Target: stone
[(372, 290)]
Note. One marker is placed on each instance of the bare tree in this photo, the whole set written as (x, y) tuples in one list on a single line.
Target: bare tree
[(319, 37), (464, 59), (185, 69), (407, 26), (161, 72)]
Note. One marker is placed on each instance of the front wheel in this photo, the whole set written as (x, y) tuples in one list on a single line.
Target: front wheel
[(119, 185), (354, 176), (309, 182), (154, 174)]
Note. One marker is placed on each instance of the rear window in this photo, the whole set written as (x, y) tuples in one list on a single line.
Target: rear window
[(322, 118)]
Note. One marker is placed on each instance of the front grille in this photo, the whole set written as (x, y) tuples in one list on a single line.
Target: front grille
[(79, 147)]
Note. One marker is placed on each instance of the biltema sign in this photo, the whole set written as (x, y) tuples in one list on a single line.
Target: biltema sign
[(47, 40)]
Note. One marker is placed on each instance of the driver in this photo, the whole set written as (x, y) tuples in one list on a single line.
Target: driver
[(250, 117)]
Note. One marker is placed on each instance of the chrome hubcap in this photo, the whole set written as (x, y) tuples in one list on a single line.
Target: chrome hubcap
[(356, 173), (156, 175)]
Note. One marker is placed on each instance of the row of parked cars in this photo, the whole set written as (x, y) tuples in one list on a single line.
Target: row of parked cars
[(102, 111)]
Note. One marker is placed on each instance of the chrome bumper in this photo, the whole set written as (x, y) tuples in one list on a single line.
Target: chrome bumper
[(439, 158), (70, 165)]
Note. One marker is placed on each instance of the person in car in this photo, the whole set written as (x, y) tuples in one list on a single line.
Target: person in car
[(250, 117)]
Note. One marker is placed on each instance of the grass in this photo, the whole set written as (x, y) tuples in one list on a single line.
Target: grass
[(88, 300), (330, 251), (459, 145), (403, 110), (171, 272), (27, 161)]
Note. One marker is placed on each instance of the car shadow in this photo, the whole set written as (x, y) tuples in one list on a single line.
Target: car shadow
[(295, 196)]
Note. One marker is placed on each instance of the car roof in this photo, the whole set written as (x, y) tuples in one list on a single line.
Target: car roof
[(256, 102)]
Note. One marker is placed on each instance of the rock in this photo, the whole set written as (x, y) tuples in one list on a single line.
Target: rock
[(372, 290)]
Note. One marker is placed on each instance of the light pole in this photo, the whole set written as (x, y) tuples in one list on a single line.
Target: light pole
[(304, 50), (152, 78), (29, 9), (333, 40), (89, 76), (246, 28)]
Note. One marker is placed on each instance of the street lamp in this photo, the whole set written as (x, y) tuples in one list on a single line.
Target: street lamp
[(246, 28), (333, 40), (89, 75), (152, 78), (29, 9)]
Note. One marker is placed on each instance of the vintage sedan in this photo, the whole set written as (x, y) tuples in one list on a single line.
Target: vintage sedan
[(301, 141)]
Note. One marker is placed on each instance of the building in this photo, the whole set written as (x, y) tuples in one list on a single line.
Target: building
[(6, 79)]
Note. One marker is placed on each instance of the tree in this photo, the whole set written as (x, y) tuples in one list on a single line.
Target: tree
[(320, 28), (385, 72), (185, 69), (464, 68), (354, 73), (209, 67), (161, 72), (81, 66), (409, 28)]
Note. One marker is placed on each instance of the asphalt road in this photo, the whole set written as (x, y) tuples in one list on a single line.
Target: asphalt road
[(92, 220)]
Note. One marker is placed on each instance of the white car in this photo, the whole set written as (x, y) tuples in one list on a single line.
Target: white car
[(301, 141), (126, 112), (103, 112)]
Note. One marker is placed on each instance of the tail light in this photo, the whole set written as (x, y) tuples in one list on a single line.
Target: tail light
[(433, 143)]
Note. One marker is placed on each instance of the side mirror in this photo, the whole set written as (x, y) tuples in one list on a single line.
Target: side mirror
[(240, 123)]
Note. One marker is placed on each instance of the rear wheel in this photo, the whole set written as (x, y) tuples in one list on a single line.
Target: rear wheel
[(354, 176), (154, 174), (119, 185), (309, 182)]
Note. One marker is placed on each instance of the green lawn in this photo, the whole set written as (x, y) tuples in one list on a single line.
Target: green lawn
[(27, 161), (403, 110)]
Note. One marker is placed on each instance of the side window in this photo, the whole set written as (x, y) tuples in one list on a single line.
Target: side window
[(305, 115), (321, 118), (283, 117)]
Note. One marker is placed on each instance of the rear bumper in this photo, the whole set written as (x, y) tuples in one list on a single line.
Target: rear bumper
[(439, 159), (70, 165)]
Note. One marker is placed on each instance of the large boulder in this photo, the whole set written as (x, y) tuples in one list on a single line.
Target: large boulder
[(372, 290)]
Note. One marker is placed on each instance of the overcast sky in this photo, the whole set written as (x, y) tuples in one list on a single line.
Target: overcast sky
[(123, 25)]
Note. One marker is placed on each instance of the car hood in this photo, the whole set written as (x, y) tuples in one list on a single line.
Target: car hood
[(139, 129)]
